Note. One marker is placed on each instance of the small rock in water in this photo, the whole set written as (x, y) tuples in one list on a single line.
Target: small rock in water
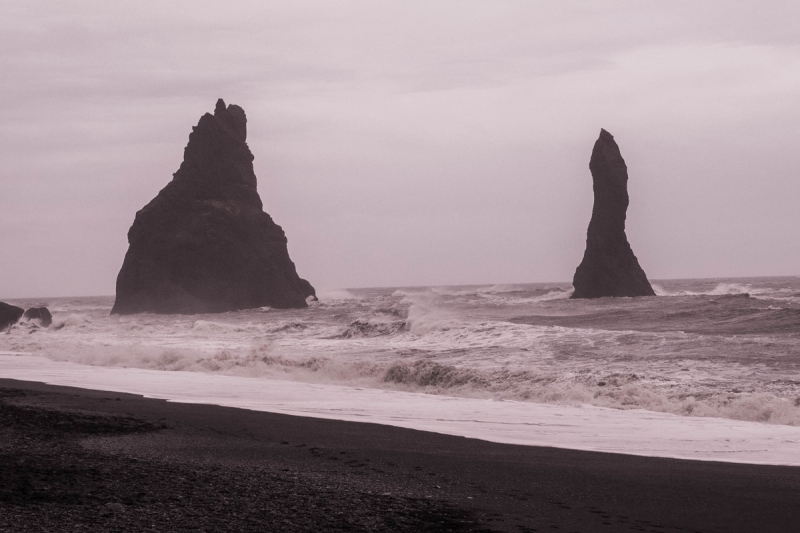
[(39, 314)]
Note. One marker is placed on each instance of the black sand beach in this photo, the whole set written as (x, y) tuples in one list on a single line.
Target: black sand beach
[(84, 460)]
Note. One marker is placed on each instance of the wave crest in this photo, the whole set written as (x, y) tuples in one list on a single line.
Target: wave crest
[(367, 328)]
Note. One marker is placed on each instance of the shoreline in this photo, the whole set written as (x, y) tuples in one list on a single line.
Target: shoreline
[(375, 477), (588, 428)]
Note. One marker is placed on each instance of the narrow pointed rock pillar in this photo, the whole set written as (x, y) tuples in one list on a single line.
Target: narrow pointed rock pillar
[(204, 243), (609, 267)]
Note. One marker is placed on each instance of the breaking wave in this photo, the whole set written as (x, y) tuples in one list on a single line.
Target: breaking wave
[(597, 387), (721, 289), (367, 328), (732, 289), (602, 389), (711, 349)]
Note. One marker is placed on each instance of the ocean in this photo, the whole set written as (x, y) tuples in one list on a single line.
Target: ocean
[(708, 369)]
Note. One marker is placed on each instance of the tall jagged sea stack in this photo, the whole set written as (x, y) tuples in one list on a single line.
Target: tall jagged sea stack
[(609, 267), (204, 243)]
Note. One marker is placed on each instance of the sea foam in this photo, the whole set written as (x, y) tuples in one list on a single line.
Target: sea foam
[(463, 342)]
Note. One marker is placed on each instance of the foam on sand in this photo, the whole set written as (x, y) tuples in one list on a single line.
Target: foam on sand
[(635, 431)]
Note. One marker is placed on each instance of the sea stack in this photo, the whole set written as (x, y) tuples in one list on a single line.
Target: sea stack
[(204, 243), (609, 267), (40, 315)]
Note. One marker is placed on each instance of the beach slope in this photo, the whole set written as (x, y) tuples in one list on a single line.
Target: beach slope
[(120, 462)]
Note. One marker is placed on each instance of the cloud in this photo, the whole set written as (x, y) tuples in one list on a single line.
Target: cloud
[(406, 143)]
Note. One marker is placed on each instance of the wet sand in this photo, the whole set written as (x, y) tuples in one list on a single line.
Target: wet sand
[(75, 459)]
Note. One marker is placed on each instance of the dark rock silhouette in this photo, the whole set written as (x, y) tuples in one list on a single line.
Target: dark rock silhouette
[(42, 314), (9, 315), (609, 267), (204, 243)]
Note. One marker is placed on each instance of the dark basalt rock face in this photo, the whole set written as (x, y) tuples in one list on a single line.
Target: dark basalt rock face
[(40, 314), (609, 267), (204, 244), (9, 315)]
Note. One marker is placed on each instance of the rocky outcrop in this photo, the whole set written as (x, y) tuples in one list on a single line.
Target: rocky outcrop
[(204, 243), (39, 314), (609, 267), (9, 315)]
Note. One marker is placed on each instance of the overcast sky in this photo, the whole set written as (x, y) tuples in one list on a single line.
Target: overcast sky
[(407, 143)]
